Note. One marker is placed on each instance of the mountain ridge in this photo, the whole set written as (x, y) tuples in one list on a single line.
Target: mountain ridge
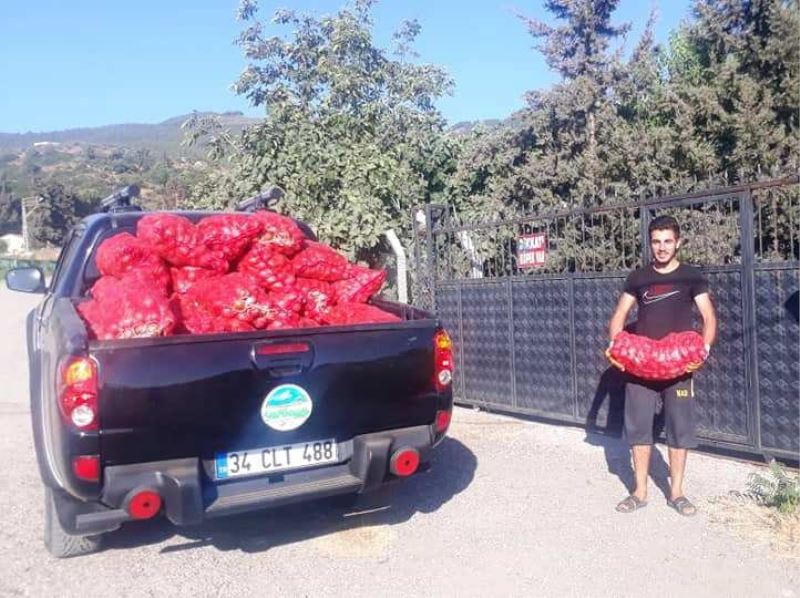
[(166, 135)]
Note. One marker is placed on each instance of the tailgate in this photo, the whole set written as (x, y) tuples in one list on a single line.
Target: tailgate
[(200, 396)]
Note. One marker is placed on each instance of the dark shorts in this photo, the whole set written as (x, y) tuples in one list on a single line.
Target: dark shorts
[(642, 398)]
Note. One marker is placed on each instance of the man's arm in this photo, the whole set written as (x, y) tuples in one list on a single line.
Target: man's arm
[(706, 308), (624, 306)]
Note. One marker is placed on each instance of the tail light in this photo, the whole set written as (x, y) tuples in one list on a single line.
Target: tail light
[(443, 420), (87, 467), (443, 359), (77, 396)]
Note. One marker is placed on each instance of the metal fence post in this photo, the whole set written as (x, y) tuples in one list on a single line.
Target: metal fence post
[(746, 215), (644, 224), (432, 214), (431, 254)]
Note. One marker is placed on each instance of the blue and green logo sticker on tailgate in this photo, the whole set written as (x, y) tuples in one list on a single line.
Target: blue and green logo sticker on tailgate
[(287, 407)]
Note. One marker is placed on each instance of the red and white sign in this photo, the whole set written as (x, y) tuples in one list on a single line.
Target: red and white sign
[(532, 250)]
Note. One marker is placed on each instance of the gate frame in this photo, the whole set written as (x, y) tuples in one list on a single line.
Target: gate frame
[(438, 223)]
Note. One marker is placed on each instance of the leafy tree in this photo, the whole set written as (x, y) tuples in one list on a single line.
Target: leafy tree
[(10, 214), (351, 132), (10, 207), (51, 219)]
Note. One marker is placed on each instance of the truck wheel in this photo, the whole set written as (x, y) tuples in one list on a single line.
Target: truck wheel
[(58, 542)]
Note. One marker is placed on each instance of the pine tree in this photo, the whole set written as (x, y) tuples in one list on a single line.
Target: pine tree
[(743, 90), (576, 120)]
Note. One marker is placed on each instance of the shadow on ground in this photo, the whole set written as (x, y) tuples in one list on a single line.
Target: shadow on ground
[(604, 428), (452, 469)]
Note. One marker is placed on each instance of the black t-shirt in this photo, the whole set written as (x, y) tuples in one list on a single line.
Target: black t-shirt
[(665, 300)]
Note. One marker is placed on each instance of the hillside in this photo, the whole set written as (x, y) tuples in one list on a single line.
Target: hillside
[(165, 136)]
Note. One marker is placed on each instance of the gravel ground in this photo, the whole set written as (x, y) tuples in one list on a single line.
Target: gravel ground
[(509, 508)]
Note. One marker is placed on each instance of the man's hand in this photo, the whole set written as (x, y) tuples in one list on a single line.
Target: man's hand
[(613, 361), (693, 367)]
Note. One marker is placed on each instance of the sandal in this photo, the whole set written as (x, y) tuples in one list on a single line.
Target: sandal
[(630, 504), (683, 506)]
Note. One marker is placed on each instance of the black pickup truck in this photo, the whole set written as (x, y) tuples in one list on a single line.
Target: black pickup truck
[(198, 426)]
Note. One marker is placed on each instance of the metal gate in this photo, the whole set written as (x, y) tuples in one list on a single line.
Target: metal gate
[(527, 301)]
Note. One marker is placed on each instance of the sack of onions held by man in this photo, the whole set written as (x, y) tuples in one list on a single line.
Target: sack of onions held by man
[(665, 359)]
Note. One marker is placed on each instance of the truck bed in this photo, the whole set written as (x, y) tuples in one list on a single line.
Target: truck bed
[(201, 395)]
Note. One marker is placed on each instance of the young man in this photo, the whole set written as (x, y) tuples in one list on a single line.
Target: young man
[(664, 292)]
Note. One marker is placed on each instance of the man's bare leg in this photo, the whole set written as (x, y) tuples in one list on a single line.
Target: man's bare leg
[(641, 468), (677, 467)]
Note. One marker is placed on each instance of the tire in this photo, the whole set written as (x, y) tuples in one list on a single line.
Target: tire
[(58, 542)]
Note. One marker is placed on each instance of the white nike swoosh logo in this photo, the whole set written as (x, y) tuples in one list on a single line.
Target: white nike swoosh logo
[(647, 300)]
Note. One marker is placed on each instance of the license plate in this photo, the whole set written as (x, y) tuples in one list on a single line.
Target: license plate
[(275, 458)]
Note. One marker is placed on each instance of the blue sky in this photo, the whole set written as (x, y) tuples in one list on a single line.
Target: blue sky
[(80, 63)]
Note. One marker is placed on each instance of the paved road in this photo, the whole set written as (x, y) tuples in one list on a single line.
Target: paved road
[(509, 508)]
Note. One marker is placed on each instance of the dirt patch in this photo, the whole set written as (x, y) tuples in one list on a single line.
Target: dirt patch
[(756, 524), (360, 541)]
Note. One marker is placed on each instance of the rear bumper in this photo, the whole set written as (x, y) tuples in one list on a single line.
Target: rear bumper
[(190, 496)]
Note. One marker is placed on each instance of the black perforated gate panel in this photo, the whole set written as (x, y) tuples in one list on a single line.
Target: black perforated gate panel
[(536, 345), (485, 343), (778, 349), (542, 346), (720, 386), (599, 385)]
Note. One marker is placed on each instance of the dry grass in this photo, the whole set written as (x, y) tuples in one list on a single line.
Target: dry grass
[(757, 524)]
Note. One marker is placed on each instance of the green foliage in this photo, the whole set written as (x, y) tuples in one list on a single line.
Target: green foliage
[(10, 207), (719, 105), (350, 132), (778, 488), (50, 220), (736, 81)]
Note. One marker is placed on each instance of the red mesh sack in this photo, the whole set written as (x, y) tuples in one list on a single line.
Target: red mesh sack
[(361, 284), (280, 232), (123, 255), (290, 300), (318, 297), (230, 303), (357, 313), (104, 284), (228, 234), (153, 281), (306, 322), (127, 309), (273, 271), (176, 240), (284, 320), (185, 278), (320, 262), (663, 359), (195, 319), (134, 280)]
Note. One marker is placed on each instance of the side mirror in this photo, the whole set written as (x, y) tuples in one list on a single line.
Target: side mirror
[(26, 280)]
